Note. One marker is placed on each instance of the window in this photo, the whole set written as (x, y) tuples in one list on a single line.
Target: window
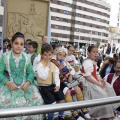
[(90, 32), (65, 20), (58, 2), (56, 35), (84, 16), (97, 26), (98, 12), (66, 12), (82, 38), (77, 29), (57, 18), (90, 25), (64, 36), (56, 27), (66, 4), (82, 30), (85, 9), (118, 40), (91, 18), (63, 28), (96, 33), (79, 22), (97, 19), (102, 34), (84, 23), (58, 10), (104, 21), (79, 7), (79, 15)]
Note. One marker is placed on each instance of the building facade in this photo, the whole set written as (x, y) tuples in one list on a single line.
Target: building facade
[(118, 24), (83, 21)]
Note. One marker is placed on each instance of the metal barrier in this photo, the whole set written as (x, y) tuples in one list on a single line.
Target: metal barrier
[(12, 112)]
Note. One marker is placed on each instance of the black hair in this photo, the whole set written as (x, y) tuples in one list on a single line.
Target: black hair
[(33, 44), (54, 46), (69, 47), (9, 46), (46, 48), (90, 48), (28, 40), (6, 40), (111, 60), (16, 35), (118, 61)]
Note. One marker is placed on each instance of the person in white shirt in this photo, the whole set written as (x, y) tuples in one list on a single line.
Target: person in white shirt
[(70, 57), (48, 80)]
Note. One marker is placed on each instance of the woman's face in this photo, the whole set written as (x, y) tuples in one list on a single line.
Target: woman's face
[(55, 51), (18, 45), (70, 51), (93, 54)]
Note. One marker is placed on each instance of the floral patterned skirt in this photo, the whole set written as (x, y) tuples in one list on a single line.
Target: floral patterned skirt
[(19, 98)]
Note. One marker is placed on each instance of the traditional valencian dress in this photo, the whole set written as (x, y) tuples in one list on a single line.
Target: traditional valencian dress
[(73, 62), (92, 91), (19, 71)]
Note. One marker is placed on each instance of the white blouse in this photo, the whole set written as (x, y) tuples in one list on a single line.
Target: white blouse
[(88, 67), (72, 58), (43, 73)]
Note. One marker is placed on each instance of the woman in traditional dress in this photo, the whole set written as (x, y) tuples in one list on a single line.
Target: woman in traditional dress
[(18, 88), (95, 88), (70, 58)]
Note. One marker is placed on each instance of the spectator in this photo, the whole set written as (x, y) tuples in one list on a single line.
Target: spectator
[(107, 67), (32, 50), (5, 44), (108, 49), (1, 51), (44, 40)]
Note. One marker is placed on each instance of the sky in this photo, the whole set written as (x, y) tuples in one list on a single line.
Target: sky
[(114, 12)]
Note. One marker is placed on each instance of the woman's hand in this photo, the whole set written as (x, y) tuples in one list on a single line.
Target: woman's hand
[(102, 83), (11, 85), (25, 85)]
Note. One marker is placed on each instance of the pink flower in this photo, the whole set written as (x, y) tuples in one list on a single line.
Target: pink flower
[(34, 96), (7, 101)]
